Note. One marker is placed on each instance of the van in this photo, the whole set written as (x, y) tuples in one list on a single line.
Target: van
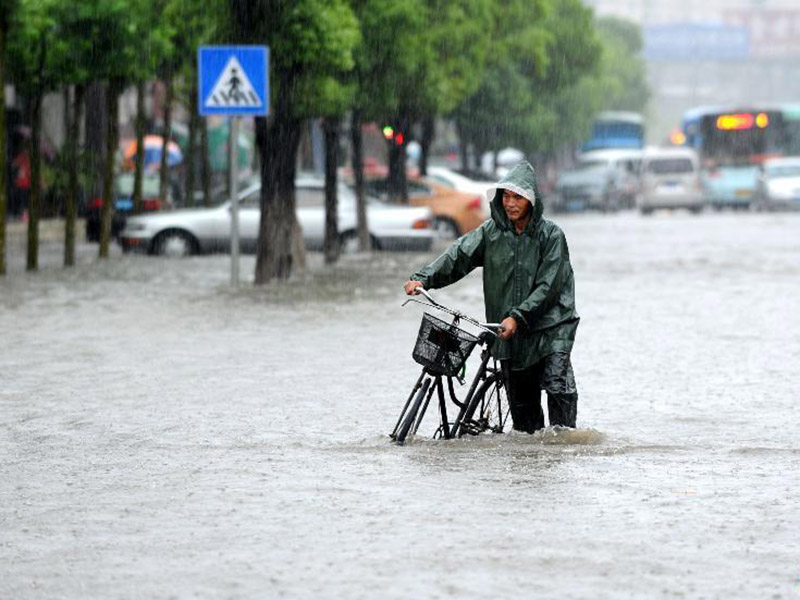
[(670, 179), (605, 180)]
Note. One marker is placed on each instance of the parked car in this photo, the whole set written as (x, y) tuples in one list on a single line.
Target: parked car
[(123, 203), (206, 230), (670, 179), (455, 213), (502, 162), (779, 184), (605, 180), (453, 180)]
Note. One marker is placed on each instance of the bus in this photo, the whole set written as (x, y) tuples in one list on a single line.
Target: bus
[(733, 141), (616, 130)]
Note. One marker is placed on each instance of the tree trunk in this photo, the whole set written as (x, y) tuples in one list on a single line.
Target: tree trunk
[(112, 106), (428, 131), (35, 197), (280, 247), (358, 174), (205, 163), (3, 151), (69, 255), (72, 185), (189, 159), (95, 142), (167, 134), (331, 127), (138, 164), (476, 157)]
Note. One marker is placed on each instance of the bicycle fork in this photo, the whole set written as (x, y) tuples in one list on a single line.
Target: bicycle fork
[(417, 385), (417, 405)]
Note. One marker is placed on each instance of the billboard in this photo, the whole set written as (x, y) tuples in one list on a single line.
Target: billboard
[(692, 42), (773, 33)]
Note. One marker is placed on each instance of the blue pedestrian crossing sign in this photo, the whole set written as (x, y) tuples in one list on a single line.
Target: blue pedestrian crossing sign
[(233, 80)]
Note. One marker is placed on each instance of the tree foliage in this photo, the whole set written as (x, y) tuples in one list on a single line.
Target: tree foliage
[(544, 50), (624, 85), (553, 67)]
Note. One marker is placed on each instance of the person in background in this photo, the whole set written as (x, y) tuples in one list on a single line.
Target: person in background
[(20, 183)]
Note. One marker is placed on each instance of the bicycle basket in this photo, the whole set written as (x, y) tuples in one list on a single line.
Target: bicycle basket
[(442, 347)]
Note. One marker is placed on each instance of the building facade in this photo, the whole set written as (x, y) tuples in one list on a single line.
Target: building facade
[(735, 52)]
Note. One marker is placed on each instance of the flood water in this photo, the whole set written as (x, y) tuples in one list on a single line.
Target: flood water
[(165, 436)]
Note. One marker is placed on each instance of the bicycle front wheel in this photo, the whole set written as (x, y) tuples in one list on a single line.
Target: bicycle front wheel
[(488, 410)]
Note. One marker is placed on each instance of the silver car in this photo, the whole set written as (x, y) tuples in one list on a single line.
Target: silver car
[(670, 179), (779, 184), (207, 230)]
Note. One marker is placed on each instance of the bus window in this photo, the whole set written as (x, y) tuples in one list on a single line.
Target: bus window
[(742, 140), (792, 137)]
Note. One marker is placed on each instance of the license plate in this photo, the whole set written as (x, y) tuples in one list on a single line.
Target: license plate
[(743, 193)]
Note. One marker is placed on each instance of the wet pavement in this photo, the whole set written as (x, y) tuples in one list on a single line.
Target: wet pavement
[(165, 436)]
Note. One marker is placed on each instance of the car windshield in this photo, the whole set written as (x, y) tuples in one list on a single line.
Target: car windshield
[(441, 180), (313, 196), (663, 166), (588, 165), (380, 188), (780, 171)]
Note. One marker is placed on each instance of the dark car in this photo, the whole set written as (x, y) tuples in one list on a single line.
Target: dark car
[(123, 204)]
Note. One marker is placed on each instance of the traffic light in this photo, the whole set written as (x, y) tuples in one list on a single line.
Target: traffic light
[(390, 134)]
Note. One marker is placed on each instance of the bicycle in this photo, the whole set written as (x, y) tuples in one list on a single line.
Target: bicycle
[(442, 349)]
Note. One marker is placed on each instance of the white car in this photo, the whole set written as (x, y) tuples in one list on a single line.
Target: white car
[(206, 230), (460, 183), (779, 184), (670, 179)]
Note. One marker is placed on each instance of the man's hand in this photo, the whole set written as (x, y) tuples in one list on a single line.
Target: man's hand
[(411, 287), (509, 326)]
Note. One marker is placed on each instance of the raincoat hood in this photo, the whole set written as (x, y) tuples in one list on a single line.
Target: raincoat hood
[(520, 180)]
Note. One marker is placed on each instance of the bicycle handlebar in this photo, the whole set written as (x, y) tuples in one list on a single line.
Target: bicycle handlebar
[(425, 293), (490, 327)]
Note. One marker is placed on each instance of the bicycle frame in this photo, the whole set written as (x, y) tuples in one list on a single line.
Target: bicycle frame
[(429, 382)]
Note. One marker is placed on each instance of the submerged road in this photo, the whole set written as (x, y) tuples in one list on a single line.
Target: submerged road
[(165, 436)]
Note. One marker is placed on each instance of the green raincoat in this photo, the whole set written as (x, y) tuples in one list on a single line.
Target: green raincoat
[(527, 276)]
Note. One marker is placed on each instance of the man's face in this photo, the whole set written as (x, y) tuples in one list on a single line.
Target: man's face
[(517, 207)]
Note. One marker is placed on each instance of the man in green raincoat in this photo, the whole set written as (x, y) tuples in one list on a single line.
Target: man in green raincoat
[(528, 287)]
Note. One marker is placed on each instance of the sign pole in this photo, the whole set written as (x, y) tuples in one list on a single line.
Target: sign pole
[(233, 171), (233, 81)]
